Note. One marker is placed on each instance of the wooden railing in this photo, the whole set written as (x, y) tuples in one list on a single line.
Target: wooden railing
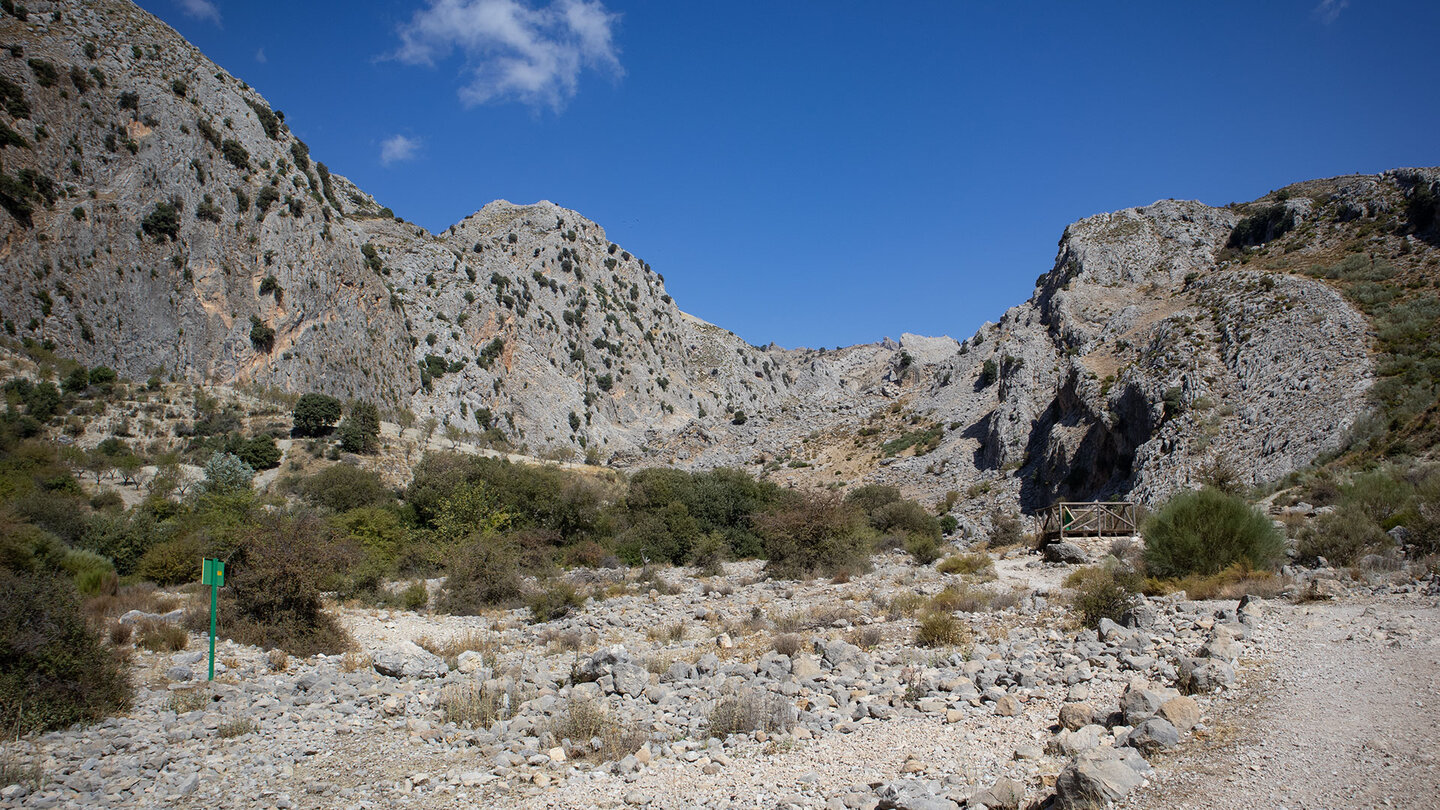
[(1087, 519)]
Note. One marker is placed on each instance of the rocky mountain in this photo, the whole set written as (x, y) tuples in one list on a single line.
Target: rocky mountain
[(161, 218)]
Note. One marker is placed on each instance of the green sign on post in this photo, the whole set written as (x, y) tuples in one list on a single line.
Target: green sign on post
[(212, 573)]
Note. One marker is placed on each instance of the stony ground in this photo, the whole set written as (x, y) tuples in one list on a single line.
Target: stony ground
[(1341, 711), (1309, 704)]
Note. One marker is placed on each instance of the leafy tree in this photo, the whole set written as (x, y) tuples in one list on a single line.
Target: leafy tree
[(76, 381), (316, 414), (361, 429), (262, 335)]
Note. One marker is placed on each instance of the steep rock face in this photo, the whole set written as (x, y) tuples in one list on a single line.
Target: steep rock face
[(164, 192)]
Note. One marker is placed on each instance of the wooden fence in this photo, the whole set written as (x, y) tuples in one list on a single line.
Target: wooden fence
[(1085, 519)]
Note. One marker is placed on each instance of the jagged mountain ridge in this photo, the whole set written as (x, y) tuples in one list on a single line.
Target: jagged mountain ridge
[(527, 321)]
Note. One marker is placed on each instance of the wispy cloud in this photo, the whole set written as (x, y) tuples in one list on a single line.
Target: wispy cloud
[(1329, 10), (201, 9), (397, 149), (260, 56), (513, 51)]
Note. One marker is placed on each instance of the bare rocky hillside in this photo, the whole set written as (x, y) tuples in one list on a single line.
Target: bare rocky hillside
[(159, 216)]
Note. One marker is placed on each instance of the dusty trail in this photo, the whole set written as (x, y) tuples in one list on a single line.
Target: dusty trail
[(1342, 710)]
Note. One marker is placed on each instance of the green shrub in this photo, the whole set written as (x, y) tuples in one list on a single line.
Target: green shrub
[(92, 573), (172, 562), (1380, 495), (989, 372), (273, 583), (484, 573), (226, 474), (708, 554), (54, 670), (923, 548), (1342, 537), (1103, 592), (163, 221), (1205, 531), (342, 487), (818, 536), (554, 602), (415, 597)]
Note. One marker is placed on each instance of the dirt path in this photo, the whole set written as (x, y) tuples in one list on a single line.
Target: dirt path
[(1343, 710)]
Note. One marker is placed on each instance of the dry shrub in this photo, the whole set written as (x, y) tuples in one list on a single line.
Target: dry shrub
[(55, 669), (354, 662), (904, 605), (786, 643), (277, 660), (557, 640), (272, 597), (230, 729), (1232, 583), (470, 704), (157, 636), (941, 629), (818, 536), (143, 596), (1103, 592), (750, 711), (968, 565), (867, 637), (120, 633), (583, 721)]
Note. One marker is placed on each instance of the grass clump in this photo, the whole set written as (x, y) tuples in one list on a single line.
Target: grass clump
[(470, 704), (236, 728), (969, 565), (938, 628), (588, 731), (157, 636), (1205, 531)]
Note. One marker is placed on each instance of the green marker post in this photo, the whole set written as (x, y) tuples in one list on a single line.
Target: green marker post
[(212, 573)]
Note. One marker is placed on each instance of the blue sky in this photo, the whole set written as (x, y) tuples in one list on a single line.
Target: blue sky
[(825, 174)]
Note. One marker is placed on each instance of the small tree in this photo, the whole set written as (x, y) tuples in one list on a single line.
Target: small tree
[(226, 473), (361, 429), (316, 414)]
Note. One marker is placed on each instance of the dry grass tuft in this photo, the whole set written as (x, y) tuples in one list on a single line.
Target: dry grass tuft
[(587, 730), (940, 629), (158, 636)]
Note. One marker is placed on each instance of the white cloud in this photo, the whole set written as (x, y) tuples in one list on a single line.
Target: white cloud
[(515, 52), (260, 56), (201, 9), (398, 148), (1329, 10)]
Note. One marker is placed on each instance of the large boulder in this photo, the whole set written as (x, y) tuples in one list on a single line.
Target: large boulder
[(409, 660), (1152, 736), (1099, 776), (1065, 553)]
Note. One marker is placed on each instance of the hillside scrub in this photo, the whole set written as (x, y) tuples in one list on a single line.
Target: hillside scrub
[(1205, 531)]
